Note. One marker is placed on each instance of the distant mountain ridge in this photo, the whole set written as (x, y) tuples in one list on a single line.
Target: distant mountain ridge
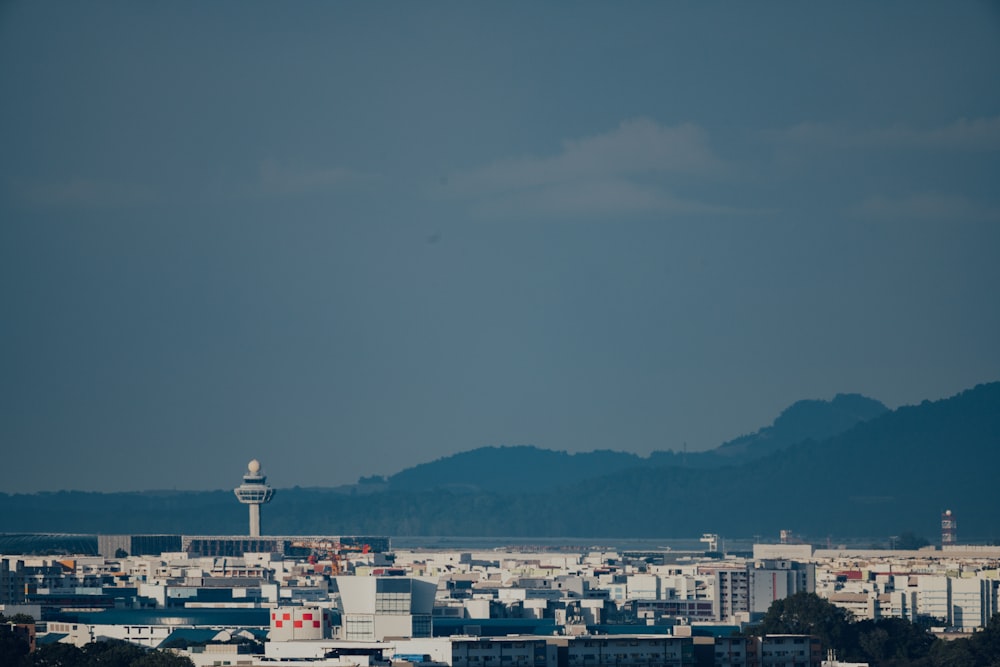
[(804, 420), (525, 468), (516, 469), (893, 473)]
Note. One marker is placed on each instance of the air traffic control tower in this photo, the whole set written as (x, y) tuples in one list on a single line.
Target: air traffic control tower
[(254, 492)]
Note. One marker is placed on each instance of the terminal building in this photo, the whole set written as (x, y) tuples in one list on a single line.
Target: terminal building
[(120, 546), (232, 546)]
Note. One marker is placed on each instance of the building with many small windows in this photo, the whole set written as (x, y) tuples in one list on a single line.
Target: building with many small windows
[(503, 652), (790, 651), (732, 596), (768, 651), (973, 601), (737, 652), (772, 580), (630, 651)]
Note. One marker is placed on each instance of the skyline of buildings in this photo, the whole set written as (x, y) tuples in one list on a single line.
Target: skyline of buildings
[(356, 601), (451, 605)]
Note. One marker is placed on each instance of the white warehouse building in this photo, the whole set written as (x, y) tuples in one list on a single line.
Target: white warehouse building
[(380, 608)]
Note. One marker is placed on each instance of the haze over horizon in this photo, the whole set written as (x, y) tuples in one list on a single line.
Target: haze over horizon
[(347, 238)]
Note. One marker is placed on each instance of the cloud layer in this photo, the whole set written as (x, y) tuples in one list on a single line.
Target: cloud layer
[(625, 170), (278, 179)]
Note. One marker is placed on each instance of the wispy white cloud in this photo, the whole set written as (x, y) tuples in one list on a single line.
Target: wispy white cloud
[(605, 173), (80, 192), (278, 179), (603, 197), (977, 134), (926, 206)]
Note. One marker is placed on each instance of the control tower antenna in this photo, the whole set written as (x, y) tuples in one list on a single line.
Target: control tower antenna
[(254, 492), (949, 528)]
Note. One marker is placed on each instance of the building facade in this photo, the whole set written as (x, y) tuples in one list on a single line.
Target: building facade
[(376, 608)]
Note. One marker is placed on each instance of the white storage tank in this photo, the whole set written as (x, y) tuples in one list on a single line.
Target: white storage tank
[(294, 623)]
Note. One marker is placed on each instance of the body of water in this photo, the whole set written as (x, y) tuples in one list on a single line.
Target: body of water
[(566, 543)]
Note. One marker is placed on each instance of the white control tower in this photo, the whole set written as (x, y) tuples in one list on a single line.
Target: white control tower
[(254, 492)]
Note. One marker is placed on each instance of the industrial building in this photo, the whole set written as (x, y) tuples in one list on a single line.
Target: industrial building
[(768, 651), (377, 608)]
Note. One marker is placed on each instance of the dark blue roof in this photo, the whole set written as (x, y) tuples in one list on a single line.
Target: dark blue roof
[(176, 616), (48, 543), (495, 627), (194, 635), (630, 629), (714, 630)]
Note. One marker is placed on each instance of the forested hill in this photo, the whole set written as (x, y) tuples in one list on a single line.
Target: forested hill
[(804, 420), (527, 469), (891, 474), (511, 470)]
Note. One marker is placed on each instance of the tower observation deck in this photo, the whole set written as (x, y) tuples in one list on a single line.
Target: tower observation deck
[(254, 492)]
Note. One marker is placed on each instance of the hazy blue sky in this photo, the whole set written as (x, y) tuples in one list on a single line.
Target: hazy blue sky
[(347, 237)]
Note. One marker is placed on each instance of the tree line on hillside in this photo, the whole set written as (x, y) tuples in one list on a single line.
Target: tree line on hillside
[(668, 504)]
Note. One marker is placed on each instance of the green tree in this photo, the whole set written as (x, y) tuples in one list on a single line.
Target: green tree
[(989, 638), (957, 653), (13, 649), (162, 659), (99, 654), (982, 649), (891, 641), (809, 614), (58, 655), (112, 654), (909, 541), (874, 644)]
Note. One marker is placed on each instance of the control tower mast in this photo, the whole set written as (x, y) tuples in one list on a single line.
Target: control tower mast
[(949, 528), (254, 492)]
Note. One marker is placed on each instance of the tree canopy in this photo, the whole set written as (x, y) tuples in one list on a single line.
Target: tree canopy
[(95, 654), (886, 642)]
